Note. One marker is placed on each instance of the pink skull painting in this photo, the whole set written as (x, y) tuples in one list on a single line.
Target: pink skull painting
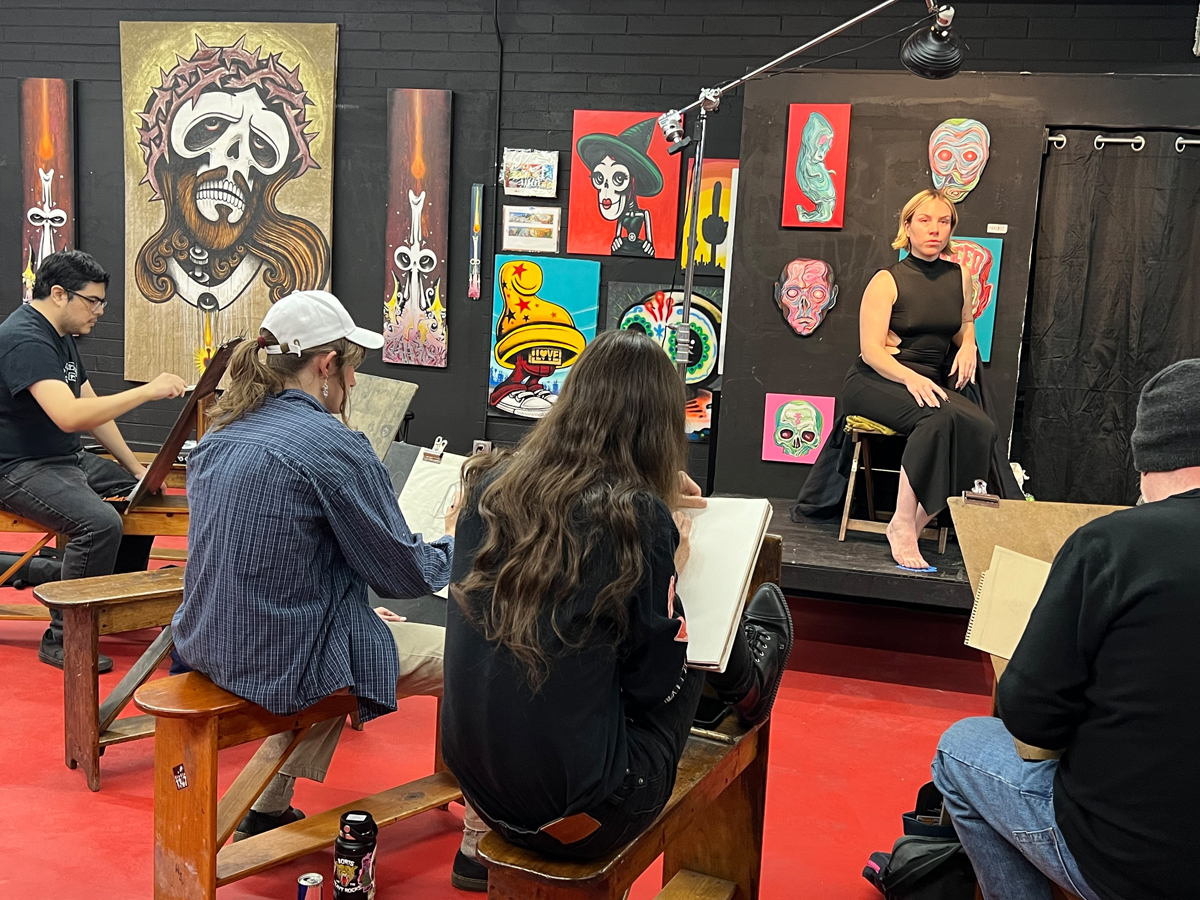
[(958, 151), (805, 293)]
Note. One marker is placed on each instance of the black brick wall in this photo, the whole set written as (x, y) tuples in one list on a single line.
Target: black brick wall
[(559, 55)]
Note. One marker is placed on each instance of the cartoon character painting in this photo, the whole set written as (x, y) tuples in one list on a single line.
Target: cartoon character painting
[(624, 165), (226, 137), (536, 338), (47, 173), (805, 293), (958, 152), (794, 427), (817, 152)]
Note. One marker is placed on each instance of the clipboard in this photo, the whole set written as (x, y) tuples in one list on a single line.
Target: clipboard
[(185, 424)]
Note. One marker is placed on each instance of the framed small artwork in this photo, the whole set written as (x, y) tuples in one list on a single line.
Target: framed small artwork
[(814, 177), (533, 229), (715, 222), (795, 427), (530, 173)]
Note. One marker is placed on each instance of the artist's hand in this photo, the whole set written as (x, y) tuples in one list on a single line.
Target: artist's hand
[(387, 615), (166, 387), (690, 496), (138, 471), (924, 390), (683, 552), (964, 364)]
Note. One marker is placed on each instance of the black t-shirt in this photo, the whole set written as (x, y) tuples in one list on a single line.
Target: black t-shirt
[(32, 350), (1106, 672), (525, 758)]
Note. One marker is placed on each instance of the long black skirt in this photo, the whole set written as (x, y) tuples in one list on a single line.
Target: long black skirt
[(948, 446)]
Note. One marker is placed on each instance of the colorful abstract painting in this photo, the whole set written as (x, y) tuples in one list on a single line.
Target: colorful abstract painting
[(418, 215), (228, 132), (716, 219), (814, 183), (958, 151), (795, 427), (47, 173), (624, 186), (655, 309), (981, 257), (544, 313)]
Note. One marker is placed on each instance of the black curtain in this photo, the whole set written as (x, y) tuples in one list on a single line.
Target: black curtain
[(1115, 299)]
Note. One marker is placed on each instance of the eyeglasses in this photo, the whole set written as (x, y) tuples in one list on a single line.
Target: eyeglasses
[(97, 303)]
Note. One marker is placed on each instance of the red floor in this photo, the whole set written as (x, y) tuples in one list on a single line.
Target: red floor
[(854, 728)]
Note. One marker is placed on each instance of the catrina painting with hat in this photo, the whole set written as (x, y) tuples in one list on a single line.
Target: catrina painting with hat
[(624, 186)]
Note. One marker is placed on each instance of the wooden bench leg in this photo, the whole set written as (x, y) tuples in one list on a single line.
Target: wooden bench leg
[(868, 478), (726, 842), (28, 555), (81, 692), (850, 489), (251, 782), (185, 809), (115, 702)]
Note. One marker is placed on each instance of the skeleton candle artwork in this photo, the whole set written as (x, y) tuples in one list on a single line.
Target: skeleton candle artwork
[(47, 174), (805, 293), (795, 427), (414, 309), (621, 161), (958, 152), (228, 181)]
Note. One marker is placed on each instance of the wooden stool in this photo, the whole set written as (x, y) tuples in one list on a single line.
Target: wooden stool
[(860, 430), (196, 719), (10, 522), (108, 604)]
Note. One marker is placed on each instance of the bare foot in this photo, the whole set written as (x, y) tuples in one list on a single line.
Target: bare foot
[(903, 542)]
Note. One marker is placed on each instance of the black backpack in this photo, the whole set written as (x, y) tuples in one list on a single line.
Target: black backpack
[(928, 863)]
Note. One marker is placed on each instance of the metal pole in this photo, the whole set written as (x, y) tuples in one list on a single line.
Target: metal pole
[(683, 329)]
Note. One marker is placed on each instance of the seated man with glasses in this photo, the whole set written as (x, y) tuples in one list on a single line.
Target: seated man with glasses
[(45, 401)]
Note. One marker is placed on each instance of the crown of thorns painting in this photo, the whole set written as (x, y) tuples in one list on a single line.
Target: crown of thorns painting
[(220, 136)]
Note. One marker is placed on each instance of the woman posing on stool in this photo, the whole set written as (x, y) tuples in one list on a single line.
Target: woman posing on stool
[(913, 314)]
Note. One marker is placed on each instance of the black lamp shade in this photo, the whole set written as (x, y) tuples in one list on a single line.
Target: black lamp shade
[(935, 52)]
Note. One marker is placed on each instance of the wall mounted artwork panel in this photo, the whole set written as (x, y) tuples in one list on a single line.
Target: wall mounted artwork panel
[(716, 219), (796, 427), (958, 152), (228, 132), (814, 177), (47, 113), (418, 216), (544, 313), (624, 186), (981, 257)]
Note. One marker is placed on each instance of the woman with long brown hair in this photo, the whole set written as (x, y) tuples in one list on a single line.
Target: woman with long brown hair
[(292, 516), (568, 700)]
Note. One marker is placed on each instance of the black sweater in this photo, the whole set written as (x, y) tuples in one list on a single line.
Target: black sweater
[(527, 758), (1107, 672)]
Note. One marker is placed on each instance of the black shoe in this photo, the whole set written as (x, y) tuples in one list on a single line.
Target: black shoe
[(767, 624), (468, 874), (257, 823), (52, 655)]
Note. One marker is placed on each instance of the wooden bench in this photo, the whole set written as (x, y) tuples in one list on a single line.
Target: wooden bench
[(709, 834), (196, 719), (108, 604)]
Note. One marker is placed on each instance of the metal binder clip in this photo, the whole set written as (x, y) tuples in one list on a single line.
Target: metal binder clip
[(434, 455), (979, 496)]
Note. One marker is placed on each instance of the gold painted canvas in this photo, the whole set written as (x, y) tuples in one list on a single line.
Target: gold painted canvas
[(228, 181)]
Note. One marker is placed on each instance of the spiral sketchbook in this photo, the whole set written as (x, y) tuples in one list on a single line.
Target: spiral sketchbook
[(1008, 592), (726, 537)]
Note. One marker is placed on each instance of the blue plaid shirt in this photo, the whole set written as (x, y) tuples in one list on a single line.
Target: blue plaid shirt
[(292, 516)]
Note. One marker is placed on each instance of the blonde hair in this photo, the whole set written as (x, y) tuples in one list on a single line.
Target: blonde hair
[(910, 209), (251, 379)]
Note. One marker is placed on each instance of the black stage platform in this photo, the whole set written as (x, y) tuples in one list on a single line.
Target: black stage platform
[(815, 563)]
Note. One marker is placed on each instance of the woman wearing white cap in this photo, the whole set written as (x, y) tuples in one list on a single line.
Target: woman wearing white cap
[(292, 516)]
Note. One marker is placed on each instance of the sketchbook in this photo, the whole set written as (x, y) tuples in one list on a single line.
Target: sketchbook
[(726, 537), (1008, 591), (428, 494)]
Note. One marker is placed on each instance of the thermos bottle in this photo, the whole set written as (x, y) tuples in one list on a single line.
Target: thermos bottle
[(354, 857)]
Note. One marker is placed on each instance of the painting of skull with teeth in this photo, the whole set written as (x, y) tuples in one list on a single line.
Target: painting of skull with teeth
[(418, 212), (228, 157)]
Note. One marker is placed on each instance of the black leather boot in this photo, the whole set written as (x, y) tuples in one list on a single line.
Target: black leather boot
[(767, 628)]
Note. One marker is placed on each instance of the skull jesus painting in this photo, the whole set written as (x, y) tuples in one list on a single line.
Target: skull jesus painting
[(228, 181)]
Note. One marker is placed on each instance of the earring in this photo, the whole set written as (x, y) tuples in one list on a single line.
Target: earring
[(325, 388)]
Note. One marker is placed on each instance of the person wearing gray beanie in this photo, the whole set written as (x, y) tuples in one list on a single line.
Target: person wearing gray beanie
[(1167, 434)]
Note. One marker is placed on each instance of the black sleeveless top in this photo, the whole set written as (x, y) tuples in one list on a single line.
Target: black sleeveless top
[(927, 313)]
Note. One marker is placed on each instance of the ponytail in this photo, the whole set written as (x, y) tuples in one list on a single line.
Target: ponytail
[(251, 378)]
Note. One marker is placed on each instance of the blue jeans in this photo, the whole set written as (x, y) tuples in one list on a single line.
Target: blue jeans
[(1003, 810)]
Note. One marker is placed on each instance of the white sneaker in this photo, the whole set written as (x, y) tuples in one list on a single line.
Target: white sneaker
[(525, 403)]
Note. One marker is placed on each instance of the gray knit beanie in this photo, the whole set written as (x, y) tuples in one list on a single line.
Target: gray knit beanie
[(1167, 434)]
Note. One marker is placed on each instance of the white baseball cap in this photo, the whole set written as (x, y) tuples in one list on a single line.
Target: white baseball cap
[(307, 319)]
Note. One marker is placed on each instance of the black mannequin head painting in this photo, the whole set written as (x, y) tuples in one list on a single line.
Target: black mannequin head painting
[(621, 173)]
